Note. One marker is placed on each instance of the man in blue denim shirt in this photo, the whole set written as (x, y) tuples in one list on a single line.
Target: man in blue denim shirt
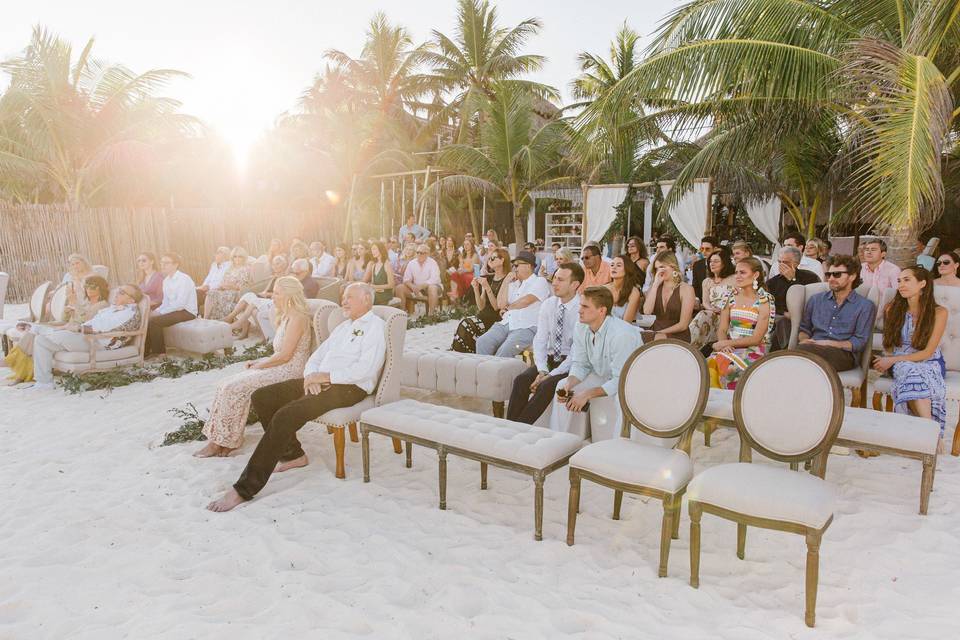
[(837, 324)]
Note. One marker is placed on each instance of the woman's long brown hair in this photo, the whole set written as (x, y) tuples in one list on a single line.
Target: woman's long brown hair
[(896, 314)]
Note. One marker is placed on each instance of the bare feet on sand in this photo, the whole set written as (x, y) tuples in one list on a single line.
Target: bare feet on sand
[(227, 501), (213, 450), (291, 464)]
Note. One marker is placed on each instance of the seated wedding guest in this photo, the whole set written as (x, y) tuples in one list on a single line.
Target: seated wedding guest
[(250, 302), (491, 239), (664, 243), (291, 348), (790, 273), (946, 274), (411, 227), (220, 301), (670, 299), (149, 278), (715, 290), (298, 251), (876, 270), (324, 264), (96, 297), (407, 254), (341, 253), (533, 390), (797, 241), (340, 373), (463, 273), (625, 286), (913, 324), (519, 303), (379, 274), (393, 251), (122, 316), (79, 270), (275, 249), (746, 322), (179, 303), (357, 265), (637, 251), (218, 269), (815, 249), (448, 260), (421, 277), (596, 270), (601, 345), (486, 290), (699, 270), (837, 324)]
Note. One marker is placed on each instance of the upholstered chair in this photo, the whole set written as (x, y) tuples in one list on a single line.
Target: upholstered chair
[(855, 379), (38, 301), (387, 390), (654, 372), (99, 359), (791, 422), (101, 270)]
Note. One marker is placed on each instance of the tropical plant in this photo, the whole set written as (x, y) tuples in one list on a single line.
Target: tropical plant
[(67, 125)]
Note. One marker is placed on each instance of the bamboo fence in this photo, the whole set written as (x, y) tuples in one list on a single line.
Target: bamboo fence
[(35, 240)]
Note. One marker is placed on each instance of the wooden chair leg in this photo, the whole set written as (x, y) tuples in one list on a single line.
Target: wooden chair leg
[(863, 394), (498, 410), (707, 433), (813, 575), (365, 451), (397, 445), (695, 513), (443, 477), (666, 535), (877, 401), (741, 539), (889, 408), (617, 502), (353, 432), (339, 444), (573, 505), (409, 454), (677, 500), (955, 448), (926, 483), (855, 398), (483, 475), (538, 478)]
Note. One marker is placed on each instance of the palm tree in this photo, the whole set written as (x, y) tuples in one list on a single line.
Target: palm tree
[(750, 80), (513, 159), (67, 125)]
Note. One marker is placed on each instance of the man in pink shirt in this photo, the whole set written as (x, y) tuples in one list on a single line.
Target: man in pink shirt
[(596, 271), (876, 271), (421, 277)]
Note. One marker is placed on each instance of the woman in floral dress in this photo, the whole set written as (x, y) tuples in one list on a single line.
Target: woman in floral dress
[(746, 324), (291, 349), (221, 301), (715, 290)]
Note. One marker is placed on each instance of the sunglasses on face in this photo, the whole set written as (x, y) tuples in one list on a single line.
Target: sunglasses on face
[(945, 262), (835, 274)]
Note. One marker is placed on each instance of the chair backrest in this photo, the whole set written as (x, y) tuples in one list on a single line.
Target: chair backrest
[(259, 271), (789, 407), (329, 288), (886, 297), (927, 262), (101, 270), (4, 280), (931, 247), (654, 372), (395, 327), (949, 297), (58, 303), (320, 310), (38, 301)]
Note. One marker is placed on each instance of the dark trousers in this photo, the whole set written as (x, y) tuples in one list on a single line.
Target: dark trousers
[(283, 409), (839, 359), (528, 408), (156, 326)]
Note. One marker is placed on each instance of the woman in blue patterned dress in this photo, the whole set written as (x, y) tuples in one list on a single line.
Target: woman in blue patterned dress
[(913, 324)]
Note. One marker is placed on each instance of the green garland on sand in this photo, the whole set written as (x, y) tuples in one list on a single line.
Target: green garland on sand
[(192, 428)]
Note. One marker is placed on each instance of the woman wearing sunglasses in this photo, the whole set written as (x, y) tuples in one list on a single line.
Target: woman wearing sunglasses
[(946, 272)]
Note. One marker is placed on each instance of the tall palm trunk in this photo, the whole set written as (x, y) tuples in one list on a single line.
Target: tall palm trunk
[(519, 225)]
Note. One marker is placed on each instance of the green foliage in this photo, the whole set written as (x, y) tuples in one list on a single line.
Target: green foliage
[(190, 431)]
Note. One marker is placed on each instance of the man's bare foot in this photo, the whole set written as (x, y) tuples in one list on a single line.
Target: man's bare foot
[(291, 464), (213, 450), (227, 501)]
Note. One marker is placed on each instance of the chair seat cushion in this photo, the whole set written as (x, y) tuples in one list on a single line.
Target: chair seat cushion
[(894, 430), (497, 438), (345, 415), (719, 405), (102, 355), (852, 378), (765, 491), (631, 462)]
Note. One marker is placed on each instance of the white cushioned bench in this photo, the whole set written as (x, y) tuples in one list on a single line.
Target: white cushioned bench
[(463, 374), (199, 335), (488, 440), (891, 433)]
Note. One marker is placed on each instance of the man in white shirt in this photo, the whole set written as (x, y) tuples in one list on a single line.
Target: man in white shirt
[(519, 300), (556, 324), (123, 315), (179, 303), (341, 372), (421, 277), (797, 241), (324, 265)]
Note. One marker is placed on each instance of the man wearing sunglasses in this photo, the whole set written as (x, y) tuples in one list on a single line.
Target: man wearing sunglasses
[(837, 324)]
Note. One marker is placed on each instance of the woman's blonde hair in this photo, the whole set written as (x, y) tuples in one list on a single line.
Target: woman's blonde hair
[(669, 258), (566, 255), (239, 252), (293, 301), (77, 256)]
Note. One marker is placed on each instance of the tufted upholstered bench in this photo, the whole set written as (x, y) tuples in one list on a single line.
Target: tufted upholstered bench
[(892, 433), (462, 374), (510, 445), (199, 336)]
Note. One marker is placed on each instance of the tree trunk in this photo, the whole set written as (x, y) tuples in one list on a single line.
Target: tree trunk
[(519, 225), (902, 248)]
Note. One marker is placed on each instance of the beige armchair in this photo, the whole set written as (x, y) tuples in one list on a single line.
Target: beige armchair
[(38, 301), (4, 281), (99, 359)]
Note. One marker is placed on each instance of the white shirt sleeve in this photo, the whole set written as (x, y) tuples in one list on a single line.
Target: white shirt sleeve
[(540, 338), (316, 357)]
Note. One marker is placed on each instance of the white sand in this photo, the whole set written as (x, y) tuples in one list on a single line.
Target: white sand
[(103, 534)]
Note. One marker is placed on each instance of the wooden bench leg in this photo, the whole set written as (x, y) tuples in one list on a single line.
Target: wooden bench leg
[(813, 576), (483, 475), (397, 446), (409, 454), (926, 483), (538, 505), (617, 503), (442, 453), (695, 513), (573, 506), (353, 432), (498, 410), (339, 444), (365, 451)]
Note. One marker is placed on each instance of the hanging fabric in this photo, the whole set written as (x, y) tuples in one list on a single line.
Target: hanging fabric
[(601, 209), (765, 216), (691, 213)]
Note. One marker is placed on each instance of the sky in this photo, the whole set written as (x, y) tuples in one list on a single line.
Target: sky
[(249, 60)]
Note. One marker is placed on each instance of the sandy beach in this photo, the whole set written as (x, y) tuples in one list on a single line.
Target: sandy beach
[(104, 535)]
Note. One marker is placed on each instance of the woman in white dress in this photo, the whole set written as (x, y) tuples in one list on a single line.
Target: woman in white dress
[(291, 349)]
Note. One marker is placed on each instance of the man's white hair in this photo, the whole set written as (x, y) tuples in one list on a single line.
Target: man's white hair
[(367, 290), (791, 252), (300, 264)]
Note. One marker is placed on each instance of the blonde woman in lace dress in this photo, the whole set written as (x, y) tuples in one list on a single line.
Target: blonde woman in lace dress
[(291, 348)]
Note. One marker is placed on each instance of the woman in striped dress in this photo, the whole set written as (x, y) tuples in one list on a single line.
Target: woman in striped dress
[(746, 323)]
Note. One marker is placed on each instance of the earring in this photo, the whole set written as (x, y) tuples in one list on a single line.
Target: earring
[(755, 285)]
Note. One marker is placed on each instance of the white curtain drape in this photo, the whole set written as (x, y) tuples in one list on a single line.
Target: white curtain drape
[(765, 215), (600, 209), (690, 214)]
